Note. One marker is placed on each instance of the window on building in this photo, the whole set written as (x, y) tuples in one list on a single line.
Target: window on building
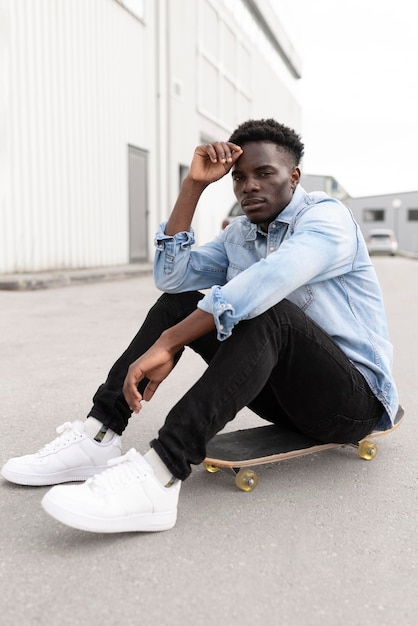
[(412, 215), (224, 59), (374, 215)]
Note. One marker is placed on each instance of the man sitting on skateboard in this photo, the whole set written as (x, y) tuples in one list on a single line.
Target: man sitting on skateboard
[(292, 325)]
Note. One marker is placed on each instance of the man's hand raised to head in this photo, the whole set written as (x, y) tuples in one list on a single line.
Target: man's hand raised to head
[(212, 161)]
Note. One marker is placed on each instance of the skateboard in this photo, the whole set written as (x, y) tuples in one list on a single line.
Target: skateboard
[(241, 449)]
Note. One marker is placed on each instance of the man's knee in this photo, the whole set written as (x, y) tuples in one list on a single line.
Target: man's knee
[(285, 312)]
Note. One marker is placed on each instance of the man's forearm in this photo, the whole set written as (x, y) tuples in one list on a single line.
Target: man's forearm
[(196, 325), (182, 214)]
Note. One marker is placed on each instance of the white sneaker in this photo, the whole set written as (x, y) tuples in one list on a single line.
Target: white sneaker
[(127, 497), (72, 456)]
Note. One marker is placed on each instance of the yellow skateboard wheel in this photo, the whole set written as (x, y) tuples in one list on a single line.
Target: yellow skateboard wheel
[(246, 479), (367, 450), (211, 468)]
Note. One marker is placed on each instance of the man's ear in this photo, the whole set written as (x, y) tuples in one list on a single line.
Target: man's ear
[(295, 178), (296, 175)]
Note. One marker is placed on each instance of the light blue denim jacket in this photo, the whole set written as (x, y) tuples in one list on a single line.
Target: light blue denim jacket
[(315, 256)]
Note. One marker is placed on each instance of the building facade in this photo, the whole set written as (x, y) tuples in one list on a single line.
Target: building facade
[(317, 182), (104, 103), (398, 212)]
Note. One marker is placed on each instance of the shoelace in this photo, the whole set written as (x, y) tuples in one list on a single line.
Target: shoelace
[(66, 432), (121, 471)]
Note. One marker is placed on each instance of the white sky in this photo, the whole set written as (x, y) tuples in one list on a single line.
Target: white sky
[(359, 91)]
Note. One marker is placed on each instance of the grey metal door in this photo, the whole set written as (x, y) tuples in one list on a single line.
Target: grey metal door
[(138, 205)]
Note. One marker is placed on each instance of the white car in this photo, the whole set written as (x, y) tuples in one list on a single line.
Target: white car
[(383, 241)]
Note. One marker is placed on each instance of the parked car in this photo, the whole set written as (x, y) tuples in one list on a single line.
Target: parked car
[(383, 241), (234, 212)]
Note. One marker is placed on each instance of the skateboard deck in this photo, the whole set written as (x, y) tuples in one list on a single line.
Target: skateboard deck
[(241, 449)]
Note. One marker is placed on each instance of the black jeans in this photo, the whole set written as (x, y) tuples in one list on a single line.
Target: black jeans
[(280, 364)]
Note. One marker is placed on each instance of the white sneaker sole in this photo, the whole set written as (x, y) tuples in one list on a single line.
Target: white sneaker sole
[(141, 522), (80, 474)]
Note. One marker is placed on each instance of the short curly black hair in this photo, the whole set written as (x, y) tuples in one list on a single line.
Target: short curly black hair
[(269, 130)]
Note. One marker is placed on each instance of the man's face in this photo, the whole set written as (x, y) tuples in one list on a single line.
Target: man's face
[(264, 179)]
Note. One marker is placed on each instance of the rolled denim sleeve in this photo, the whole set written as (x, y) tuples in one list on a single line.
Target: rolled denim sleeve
[(223, 312), (168, 247), (179, 268)]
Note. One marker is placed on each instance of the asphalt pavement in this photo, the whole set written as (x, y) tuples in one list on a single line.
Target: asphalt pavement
[(324, 539)]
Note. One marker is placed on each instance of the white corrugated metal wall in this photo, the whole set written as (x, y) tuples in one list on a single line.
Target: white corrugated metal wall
[(75, 101), (87, 78)]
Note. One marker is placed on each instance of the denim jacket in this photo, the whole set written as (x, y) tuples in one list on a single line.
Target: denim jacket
[(315, 256)]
